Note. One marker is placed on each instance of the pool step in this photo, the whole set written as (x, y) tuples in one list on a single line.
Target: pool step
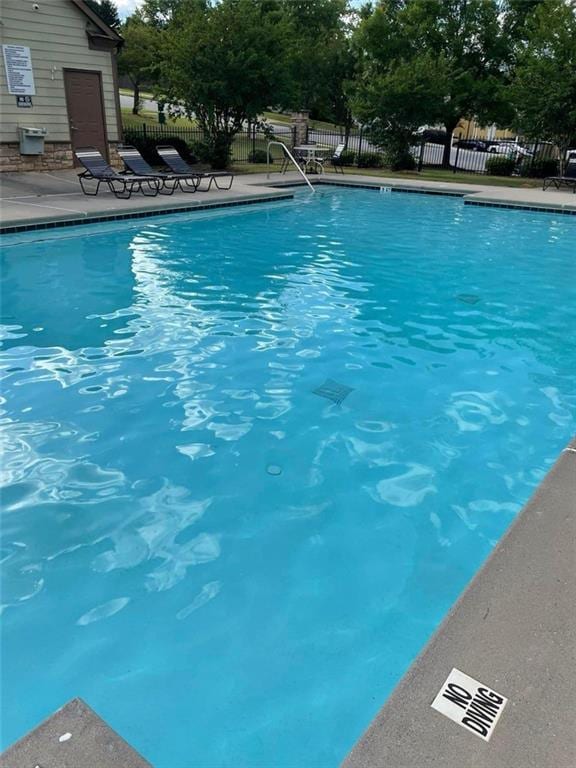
[(73, 737)]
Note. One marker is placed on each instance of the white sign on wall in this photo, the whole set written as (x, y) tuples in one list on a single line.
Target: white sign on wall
[(471, 704), (18, 66)]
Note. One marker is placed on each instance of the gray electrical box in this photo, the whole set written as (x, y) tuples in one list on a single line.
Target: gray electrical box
[(32, 140)]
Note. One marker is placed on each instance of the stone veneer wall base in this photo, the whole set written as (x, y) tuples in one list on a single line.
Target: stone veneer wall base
[(57, 156)]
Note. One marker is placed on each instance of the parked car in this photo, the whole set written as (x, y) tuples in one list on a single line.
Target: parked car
[(511, 148), (432, 135), (476, 145)]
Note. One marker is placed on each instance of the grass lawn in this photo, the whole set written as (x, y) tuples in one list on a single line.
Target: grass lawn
[(149, 117), (130, 92), (277, 117), (425, 175)]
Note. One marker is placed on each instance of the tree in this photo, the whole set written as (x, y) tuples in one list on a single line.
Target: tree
[(318, 46), (107, 11), (462, 39), (138, 57), (397, 102), (159, 13), (544, 86), (225, 63)]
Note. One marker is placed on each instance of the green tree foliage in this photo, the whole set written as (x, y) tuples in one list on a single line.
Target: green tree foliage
[(514, 15), (160, 13), (319, 57), (225, 63), (544, 85), (454, 48), (398, 101), (138, 57), (107, 11)]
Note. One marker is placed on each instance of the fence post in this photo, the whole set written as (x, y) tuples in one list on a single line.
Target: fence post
[(535, 153), (144, 129), (360, 140), (455, 168), (421, 159)]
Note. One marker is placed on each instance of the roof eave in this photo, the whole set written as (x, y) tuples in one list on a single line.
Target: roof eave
[(95, 19)]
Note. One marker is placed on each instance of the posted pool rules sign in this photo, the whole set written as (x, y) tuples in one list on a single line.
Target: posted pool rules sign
[(471, 704)]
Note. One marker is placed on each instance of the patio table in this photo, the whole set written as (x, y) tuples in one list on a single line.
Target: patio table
[(312, 163)]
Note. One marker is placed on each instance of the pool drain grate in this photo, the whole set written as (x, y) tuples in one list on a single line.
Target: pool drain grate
[(333, 391), (468, 298)]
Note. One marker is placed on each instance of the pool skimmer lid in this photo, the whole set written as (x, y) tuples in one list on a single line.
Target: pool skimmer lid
[(471, 704), (333, 391)]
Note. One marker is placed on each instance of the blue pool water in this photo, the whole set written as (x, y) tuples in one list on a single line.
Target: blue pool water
[(230, 568)]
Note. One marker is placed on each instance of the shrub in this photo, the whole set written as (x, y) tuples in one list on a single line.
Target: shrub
[(500, 166), (259, 156), (200, 150), (370, 160), (402, 162), (539, 169), (147, 146), (348, 157)]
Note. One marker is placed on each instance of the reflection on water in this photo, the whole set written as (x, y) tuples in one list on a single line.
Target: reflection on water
[(190, 534), (60, 296)]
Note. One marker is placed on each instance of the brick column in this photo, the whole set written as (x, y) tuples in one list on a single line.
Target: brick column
[(300, 127)]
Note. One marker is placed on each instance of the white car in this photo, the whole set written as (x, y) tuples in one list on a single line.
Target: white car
[(509, 148)]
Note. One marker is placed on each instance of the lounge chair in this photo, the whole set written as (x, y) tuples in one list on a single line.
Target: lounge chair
[(567, 180), (170, 182), (180, 167), (121, 185), (335, 159)]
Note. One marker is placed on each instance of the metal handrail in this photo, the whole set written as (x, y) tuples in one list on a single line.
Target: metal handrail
[(285, 148)]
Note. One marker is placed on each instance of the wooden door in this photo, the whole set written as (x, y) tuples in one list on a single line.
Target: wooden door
[(85, 110)]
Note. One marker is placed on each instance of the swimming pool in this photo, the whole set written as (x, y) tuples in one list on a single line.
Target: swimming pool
[(230, 567)]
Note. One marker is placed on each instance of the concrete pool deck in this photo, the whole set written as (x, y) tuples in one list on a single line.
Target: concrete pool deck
[(30, 200), (73, 737), (513, 629)]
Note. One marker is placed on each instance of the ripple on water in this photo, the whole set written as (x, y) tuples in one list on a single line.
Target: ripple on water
[(153, 554), (103, 611)]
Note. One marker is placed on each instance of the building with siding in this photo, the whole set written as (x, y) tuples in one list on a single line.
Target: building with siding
[(58, 75)]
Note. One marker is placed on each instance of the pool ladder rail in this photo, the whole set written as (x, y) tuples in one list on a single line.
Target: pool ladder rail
[(291, 157)]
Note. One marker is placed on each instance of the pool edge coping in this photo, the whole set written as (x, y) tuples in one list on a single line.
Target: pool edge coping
[(475, 197), (141, 213), (407, 733)]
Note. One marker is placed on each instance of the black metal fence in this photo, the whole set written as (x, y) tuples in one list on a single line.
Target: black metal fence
[(466, 155), (501, 158), (249, 145)]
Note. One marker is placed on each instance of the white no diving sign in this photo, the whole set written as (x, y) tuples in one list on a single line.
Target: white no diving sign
[(471, 704)]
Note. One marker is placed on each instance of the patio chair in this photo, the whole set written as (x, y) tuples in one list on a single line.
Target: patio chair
[(180, 167), (300, 158), (170, 182), (335, 159), (567, 180), (121, 185)]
